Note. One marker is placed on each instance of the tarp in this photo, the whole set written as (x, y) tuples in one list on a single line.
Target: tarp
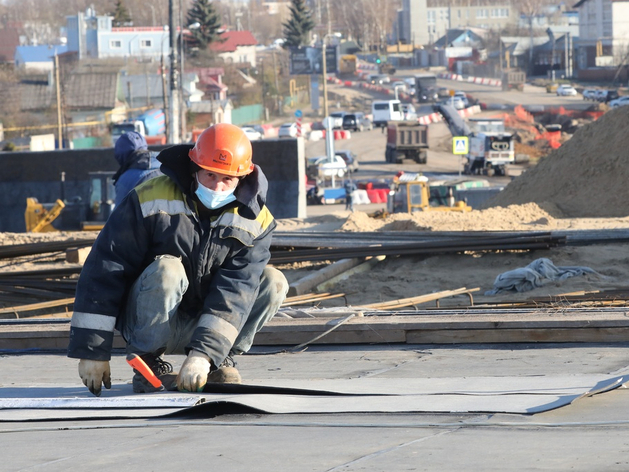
[(519, 395)]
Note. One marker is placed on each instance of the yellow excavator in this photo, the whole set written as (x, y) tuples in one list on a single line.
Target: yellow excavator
[(74, 215)]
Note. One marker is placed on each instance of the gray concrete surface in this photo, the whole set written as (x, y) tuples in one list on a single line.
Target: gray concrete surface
[(591, 434)]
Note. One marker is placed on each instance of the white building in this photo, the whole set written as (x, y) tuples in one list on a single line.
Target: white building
[(422, 22), (603, 33), (95, 36)]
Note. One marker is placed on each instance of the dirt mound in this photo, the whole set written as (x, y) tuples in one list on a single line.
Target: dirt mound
[(586, 177), (514, 218)]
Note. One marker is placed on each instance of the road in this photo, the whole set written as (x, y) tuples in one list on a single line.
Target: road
[(370, 146)]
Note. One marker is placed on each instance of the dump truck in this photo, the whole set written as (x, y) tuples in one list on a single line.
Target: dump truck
[(491, 148), (151, 124), (513, 79), (348, 65), (406, 140)]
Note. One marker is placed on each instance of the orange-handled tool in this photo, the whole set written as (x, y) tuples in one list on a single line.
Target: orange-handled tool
[(138, 364)]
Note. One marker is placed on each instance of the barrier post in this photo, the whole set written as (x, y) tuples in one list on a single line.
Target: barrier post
[(298, 115)]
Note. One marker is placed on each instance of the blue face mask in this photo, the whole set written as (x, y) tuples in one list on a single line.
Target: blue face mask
[(214, 199)]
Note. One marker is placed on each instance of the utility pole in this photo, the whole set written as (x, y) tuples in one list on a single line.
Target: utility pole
[(277, 86), (325, 80), (58, 88), (182, 52), (175, 99), (165, 98)]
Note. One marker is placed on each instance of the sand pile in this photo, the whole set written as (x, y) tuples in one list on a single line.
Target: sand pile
[(526, 217), (588, 176)]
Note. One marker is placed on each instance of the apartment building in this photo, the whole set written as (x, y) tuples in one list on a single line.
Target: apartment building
[(423, 22), (603, 33)]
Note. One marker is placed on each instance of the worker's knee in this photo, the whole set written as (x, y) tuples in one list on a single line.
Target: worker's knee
[(274, 283), (167, 271)]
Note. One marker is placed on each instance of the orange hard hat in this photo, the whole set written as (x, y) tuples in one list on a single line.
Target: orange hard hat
[(223, 148)]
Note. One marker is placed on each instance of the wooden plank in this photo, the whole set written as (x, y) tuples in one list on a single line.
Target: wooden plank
[(369, 263), (542, 335), (77, 255), (309, 282), (37, 306), (404, 302), (590, 326)]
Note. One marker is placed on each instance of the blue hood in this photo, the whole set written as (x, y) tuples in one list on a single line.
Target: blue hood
[(126, 145)]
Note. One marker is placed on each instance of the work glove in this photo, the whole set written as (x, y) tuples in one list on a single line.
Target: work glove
[(94, 374), (193, 373)]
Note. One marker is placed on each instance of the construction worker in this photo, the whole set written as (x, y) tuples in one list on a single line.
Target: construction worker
[(350, 187), (137, 163), (181, 267)]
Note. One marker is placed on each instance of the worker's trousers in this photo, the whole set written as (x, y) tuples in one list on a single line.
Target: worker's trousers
[(152, 323)]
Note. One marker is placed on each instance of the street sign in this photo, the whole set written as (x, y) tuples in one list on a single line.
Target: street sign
[(298, 114), (308, 60), (460, 145)]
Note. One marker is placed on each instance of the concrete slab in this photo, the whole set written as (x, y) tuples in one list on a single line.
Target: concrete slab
[(590, 434)]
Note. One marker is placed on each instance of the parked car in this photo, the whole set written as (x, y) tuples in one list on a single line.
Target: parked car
[(619, 102), (565, 90), (605, 96), (356, 122), (287, 130), (400, 85), (609, 95), (338, 119), (463, 96), (251, 133), (410, 85), (322, 166), (589, 94), (457, 102), (379, 79), (258, 128), (351, 160)]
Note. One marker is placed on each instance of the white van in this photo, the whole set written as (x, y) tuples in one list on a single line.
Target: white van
[(384, 111)]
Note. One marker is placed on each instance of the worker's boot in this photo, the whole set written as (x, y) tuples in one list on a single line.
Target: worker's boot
[(163, 370), (225, 373)]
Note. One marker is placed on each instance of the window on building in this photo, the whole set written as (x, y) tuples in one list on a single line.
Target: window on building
[(146, 43), (115, 44), (481, 13)]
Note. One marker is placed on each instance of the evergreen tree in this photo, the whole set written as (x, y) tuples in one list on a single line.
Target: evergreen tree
[(121, 15), (203, 13), (297, 29)]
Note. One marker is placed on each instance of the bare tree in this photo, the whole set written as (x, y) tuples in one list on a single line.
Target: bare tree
[(365, 21), (265, 27), (530, 10)]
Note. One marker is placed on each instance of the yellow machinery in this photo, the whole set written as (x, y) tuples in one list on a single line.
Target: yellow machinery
[(38, 218), (75, 215), (410, 192)]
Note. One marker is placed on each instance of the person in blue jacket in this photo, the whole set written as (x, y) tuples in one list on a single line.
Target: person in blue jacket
[(137, 163), (180, 267)]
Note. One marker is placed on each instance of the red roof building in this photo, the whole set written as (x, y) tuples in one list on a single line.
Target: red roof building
[(236, 47)]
